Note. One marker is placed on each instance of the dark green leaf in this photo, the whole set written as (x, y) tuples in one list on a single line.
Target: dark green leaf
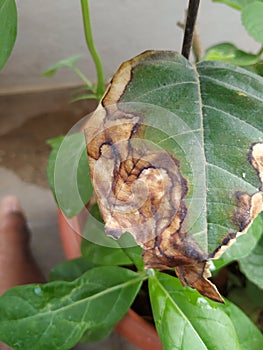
[(68, 173), (8, 29), (57, 314), (200, 323), (70, 270), (252, 265), (243, 245), (69, 62), (252, 15), (228, 52), (256, 68)]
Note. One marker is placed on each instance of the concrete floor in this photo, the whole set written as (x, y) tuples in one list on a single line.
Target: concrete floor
[(26, 121)]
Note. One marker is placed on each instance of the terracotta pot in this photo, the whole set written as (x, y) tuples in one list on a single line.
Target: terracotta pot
[(132, 326)]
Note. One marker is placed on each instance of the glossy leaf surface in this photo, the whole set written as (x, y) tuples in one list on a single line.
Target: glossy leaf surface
[(185, 320), (56, 315)]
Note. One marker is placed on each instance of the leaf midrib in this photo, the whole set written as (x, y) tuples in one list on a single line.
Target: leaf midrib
[(169, 297)]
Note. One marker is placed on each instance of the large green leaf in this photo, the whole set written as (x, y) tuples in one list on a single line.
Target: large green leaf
[(57, 314), (185, 320), (68, 173), (8, 29), (193, 139)]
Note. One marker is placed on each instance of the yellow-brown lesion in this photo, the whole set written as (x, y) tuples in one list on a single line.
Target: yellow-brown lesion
[(141, 189)]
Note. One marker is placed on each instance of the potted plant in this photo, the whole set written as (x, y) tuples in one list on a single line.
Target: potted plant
[(175, 155)]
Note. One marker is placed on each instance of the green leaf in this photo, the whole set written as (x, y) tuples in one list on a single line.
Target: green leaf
[(200, 323), (96, 335), (90, 96), (248, 334), (252, 15), (112, 252), (243, 245), (56, 315), (228, 52), (8, 29), (68, 173), (208, 118), (198, 131), (70, 270), (69, 62), (237, 4), (251, 265), (257, 68)]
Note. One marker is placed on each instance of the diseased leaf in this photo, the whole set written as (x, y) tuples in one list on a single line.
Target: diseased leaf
[(176, 159), (56, 315), (185, 320), (8, 29), (243, 245)]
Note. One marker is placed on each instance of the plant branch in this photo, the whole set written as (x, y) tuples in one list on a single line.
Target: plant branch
[(189, 27), (91, 47)]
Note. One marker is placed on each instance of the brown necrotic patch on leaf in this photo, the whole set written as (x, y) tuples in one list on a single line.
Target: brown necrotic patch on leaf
[(247, 206), (140, 187)]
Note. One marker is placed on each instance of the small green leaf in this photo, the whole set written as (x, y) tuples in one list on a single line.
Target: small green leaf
[(68, 173), (200, 323), (237, 4), (252, 264), (69, 62), (243, 245), (70, 270), (8, 29), (56, 315), (228, 52), (252, 15), (112, 253)]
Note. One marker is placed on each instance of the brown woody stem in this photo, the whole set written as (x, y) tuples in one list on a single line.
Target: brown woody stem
[(189, 28)]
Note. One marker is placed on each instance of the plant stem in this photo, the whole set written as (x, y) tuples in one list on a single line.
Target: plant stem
[(189, 27), (91, 47), (82, 77)]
